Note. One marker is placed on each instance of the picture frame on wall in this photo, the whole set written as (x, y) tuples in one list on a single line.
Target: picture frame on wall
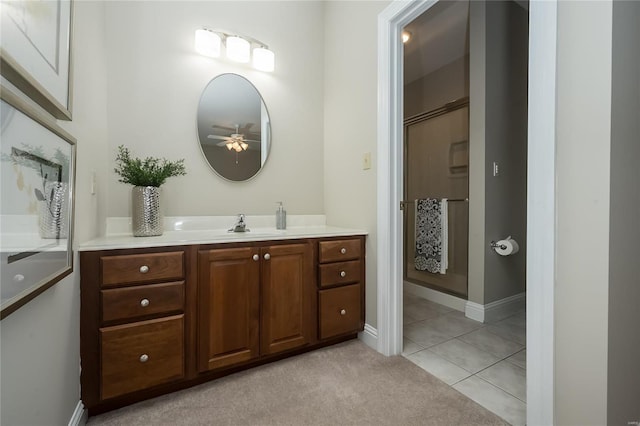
[(35, 54), (37, 182)]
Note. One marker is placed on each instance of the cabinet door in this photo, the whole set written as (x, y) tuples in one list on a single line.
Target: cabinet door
[(228, 306), (288, 297)]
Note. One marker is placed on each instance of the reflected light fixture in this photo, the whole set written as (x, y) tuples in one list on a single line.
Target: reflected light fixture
[(237, 48), (406, 36)]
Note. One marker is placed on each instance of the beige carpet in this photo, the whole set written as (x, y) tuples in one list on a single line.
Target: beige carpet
[(345, 384)]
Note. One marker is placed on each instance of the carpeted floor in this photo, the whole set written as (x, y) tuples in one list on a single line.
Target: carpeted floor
[(345, 384)]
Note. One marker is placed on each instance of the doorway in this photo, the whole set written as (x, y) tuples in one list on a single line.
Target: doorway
[(540, 194)]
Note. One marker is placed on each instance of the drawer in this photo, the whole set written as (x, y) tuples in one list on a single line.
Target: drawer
[(339, 250), (340, 273), (139, 268), (340, 311), (131, 302), (140, 355)]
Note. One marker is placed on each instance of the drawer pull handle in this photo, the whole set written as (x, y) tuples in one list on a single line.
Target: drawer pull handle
[(144, 303), (267, 256), (343, 312), (144, 358), (343, 274), (144, 269), (256, 257), (343, 250)]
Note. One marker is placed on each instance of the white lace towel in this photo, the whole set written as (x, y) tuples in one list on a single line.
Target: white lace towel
[(432, 235)]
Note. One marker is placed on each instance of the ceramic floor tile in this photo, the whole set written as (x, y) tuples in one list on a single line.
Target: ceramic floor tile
[(464, 355), (518, 319), (409, 347), (519, 359), (511, 331), (508, 377), (492, 343), (418, 311), (424, 334), (438, 366), (454, 324), (494, 399)]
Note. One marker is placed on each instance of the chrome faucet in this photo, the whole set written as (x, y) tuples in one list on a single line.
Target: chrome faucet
[(240, 225)]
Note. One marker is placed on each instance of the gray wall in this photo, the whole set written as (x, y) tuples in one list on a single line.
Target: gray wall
[(507, 46), (446, 84), (40, 365), (497, 132), (623, 389)]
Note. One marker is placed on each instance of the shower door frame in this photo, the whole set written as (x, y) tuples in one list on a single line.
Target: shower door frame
[(541, 204), (447, 108)]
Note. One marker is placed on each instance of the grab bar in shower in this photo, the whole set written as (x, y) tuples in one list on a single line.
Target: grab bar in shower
[(404, 204)]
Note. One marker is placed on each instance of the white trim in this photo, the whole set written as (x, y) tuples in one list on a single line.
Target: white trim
[(541, 209), (540, 193), (80, 416), (369, 336), (448, 300), (389, 229), (497, 310)]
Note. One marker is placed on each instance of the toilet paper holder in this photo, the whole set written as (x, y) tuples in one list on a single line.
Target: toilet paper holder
[(495, 245)]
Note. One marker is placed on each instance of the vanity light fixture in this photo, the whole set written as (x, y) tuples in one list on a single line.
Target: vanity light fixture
[(237, 48), (208, 43)]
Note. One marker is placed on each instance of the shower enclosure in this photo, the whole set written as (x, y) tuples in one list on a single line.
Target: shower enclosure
[(437, 166), (436, 146)]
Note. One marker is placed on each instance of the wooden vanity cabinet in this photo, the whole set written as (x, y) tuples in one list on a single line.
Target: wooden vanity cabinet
[(254, 301), (341, 287), (155, 320), (133, 321)]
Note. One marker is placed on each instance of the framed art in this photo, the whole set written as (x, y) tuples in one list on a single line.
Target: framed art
[(35, 55), (37, 177)]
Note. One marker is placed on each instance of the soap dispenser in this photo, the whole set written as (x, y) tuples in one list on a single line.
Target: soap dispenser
[(281, 217)]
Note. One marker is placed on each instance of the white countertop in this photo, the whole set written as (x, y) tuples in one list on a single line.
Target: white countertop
[(209, 232)]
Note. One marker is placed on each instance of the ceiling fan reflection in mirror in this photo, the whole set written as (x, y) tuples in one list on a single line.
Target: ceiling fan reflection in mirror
[(236, 141)]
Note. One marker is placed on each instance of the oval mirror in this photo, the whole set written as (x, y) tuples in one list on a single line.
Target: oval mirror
[(233, 127)]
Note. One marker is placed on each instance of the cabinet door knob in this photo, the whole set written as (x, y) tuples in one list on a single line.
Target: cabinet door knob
[(256, 257), (144, 269), (343, 250), (144, 358), (144, 303), (343, 274), (343, 312), (267, 256)]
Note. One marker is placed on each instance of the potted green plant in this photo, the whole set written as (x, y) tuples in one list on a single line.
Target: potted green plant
[(146, 176)]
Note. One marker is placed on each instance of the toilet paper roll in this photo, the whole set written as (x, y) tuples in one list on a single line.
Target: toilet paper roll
[(510, 247)]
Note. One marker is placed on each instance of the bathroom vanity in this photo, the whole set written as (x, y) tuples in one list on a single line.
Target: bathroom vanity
[(164, 313)]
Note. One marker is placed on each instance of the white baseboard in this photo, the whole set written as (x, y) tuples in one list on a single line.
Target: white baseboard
[(369, 336), (80, 416), (497, 310), (452, 302)]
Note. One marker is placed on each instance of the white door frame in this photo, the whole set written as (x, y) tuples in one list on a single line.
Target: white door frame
[(540, 193)]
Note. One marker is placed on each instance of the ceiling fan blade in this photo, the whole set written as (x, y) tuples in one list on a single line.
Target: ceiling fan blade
[(224, 138), (217, 126)]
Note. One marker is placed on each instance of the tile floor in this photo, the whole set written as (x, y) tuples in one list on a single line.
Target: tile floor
[(486, 362)]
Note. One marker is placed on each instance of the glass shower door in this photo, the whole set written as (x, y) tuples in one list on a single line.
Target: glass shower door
[(437, 166)]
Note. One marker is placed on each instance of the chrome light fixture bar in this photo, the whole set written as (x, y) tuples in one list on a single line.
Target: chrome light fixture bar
[(237, 48)]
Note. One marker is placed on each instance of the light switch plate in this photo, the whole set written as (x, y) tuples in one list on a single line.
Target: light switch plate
[(366, 161)]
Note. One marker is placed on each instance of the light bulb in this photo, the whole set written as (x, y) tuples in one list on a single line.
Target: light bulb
[(207, 43), (263, 59), (238, 49), (406, 36)]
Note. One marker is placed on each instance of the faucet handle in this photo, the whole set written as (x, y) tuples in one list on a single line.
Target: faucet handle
[(240, 217)]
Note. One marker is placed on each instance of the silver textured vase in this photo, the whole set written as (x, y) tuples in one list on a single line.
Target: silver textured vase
[(53, 211), (146, 212)]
